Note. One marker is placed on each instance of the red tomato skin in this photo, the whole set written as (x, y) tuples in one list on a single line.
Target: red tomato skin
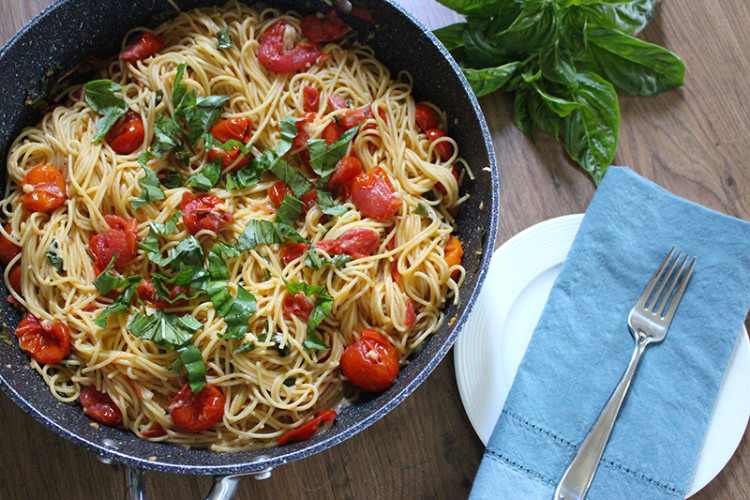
[(279, 190), (309, 429), (193, 412), (99, 406), (362, 370), (332, 132), (8, 249), (200, 212), (127, 135), (148, 45), (155, 430), (354, 117), (44, 341), (356, 243), (347, 169), (336, 102), (122, 239), (426, 117), (240, 129), (47, 189), (409, 315), (444, 149), (296, 305), (289, 252), (374, 196), (14, 279), (440, 186), (272, 56), (329, 29), (310, 98)]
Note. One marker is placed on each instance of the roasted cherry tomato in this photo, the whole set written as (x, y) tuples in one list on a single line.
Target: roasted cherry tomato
[(356, 243), (310, 98), (8, 249), (291, 251), (44, 341), (148, 45), (371, 362), (440, 186), (147, 293), (454, 251), (240, 129), (121, 240), (156, 430), (426, 117), (332, 132), (309, 429), (347, 169), (279, 190), (444, 148), (45, 189), (328, 29), (201, 212), (351, 117), (193, 412), (272, 56), (99, 406), (14, 279), (374, 196), (409, 315), (127, 134), (296, 305)]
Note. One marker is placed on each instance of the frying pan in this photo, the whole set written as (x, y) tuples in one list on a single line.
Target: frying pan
[(70, 30)]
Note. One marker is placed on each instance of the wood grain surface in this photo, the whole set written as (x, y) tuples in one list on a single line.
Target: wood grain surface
[(694, 141)]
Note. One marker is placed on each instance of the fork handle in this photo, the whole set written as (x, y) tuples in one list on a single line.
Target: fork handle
[(577, 479)]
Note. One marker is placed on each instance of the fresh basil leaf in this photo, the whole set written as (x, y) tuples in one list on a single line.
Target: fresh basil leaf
[(120, 304), (224, 40), (326, 204), (323, 306), (211, 142), (341, 260), (53, 257), (290, 208), (179, 90), (451, 36), (628, 17), (168, 227), (239, 314), (294, 180), (201, 116), (590, 132), (558, 105), (100, 96), (220, 297), (289, 382), (208, 177), (168, 331), (488, 80), (191, 358), (173, 180), (323, 158), (295, 287), (166, 136), (313, 341), (250, 174), (245, 347), (474, 7), (151, 189), (288, 128), (313, 259), (262, 232)]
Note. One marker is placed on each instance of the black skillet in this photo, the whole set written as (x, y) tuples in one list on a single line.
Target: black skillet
[(67, 32)]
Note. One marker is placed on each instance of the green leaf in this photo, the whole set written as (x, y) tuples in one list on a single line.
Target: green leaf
[(191, 358), (168, 331), (120, 304), (451, 36), (100, 96), (250, 174), (239, 314), (224, 40), (289, 210), (294, 288), (294, 180), (151, 189), (476, 8), (488, 80), (633, 66), (245, 347), (313, 341), (288, 128), (53, 257), (590, 132), (560, 106), (168, 227), (166, 136), (628, 17), (208, 177), (323, 306), (263, 232), (323, 158), (326, 204)]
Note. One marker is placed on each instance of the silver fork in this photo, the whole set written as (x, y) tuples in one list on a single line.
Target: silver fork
[(648, 322)]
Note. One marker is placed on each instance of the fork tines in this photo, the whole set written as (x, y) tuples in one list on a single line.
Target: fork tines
[(666, 278)]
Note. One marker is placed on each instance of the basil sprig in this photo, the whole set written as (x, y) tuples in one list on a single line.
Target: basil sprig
[(100, 96)]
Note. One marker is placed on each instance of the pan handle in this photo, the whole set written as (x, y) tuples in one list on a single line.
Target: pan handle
[(224, 487), (136, 488)]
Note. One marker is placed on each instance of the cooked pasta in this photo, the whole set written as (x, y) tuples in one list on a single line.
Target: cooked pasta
[(251, 304)]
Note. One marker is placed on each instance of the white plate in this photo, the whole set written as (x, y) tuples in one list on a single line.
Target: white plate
[(521, 275)]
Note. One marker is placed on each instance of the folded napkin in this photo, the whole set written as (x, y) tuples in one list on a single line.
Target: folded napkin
[(581, 347)]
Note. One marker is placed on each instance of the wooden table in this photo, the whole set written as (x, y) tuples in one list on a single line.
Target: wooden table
[(693, 141)]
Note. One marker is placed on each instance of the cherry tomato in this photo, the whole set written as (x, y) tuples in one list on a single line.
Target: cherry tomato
[(444, 148), (44, 341), (351, 117), (8, 249), (347, 169), (240, 129), (395, 275), (309, 429), (336, 102), (122, 240), (374, 196), (370, 363), (290, 251), (272, 56), (426, 117), (356, 243), (454, 251), (300, 140), (296, 305), (310, 98), (193, 412), (14, 279), (156, 430), (148, 45), (45, 189), (127, 135), (329, 29), (332, 132), (409, 315), (279, 190), (440, 186), (99, 406), (147, 293), (200, 213)]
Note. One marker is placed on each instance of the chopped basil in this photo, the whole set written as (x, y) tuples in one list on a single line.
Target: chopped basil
[(323, 306), (191, 358), (54, 257), (326, 204), (323, 158), (288, 129), (295, 181), (289, 382), (100, 96), (239, 314), (245, 347), (206, 178), (120, 304), (290, 208), (151, 189), (166, 330), (224, 39), (421, 210)]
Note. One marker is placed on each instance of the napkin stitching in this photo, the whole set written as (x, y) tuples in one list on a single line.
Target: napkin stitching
[(614, 465), (496, 455)]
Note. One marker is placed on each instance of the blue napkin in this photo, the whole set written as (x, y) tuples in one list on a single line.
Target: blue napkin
[(581, 346)]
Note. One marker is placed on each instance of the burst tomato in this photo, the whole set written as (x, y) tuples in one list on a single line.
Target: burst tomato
[(374, 196), (14, 279), (328, 29), (309, 429), (279, 190), (332, 132), (347, 169), (44, 341), (201, 213), (99, 406), (310, 98), (454, 251), (193, 412), (444, 148), (296, 305), (272, 56), (371, 362), (356, 243), (146, 46), (121, 240), (290, 251), (8, 249), (240, 129), (426, 117), (44, 188), (127, 135), (409, 315)]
